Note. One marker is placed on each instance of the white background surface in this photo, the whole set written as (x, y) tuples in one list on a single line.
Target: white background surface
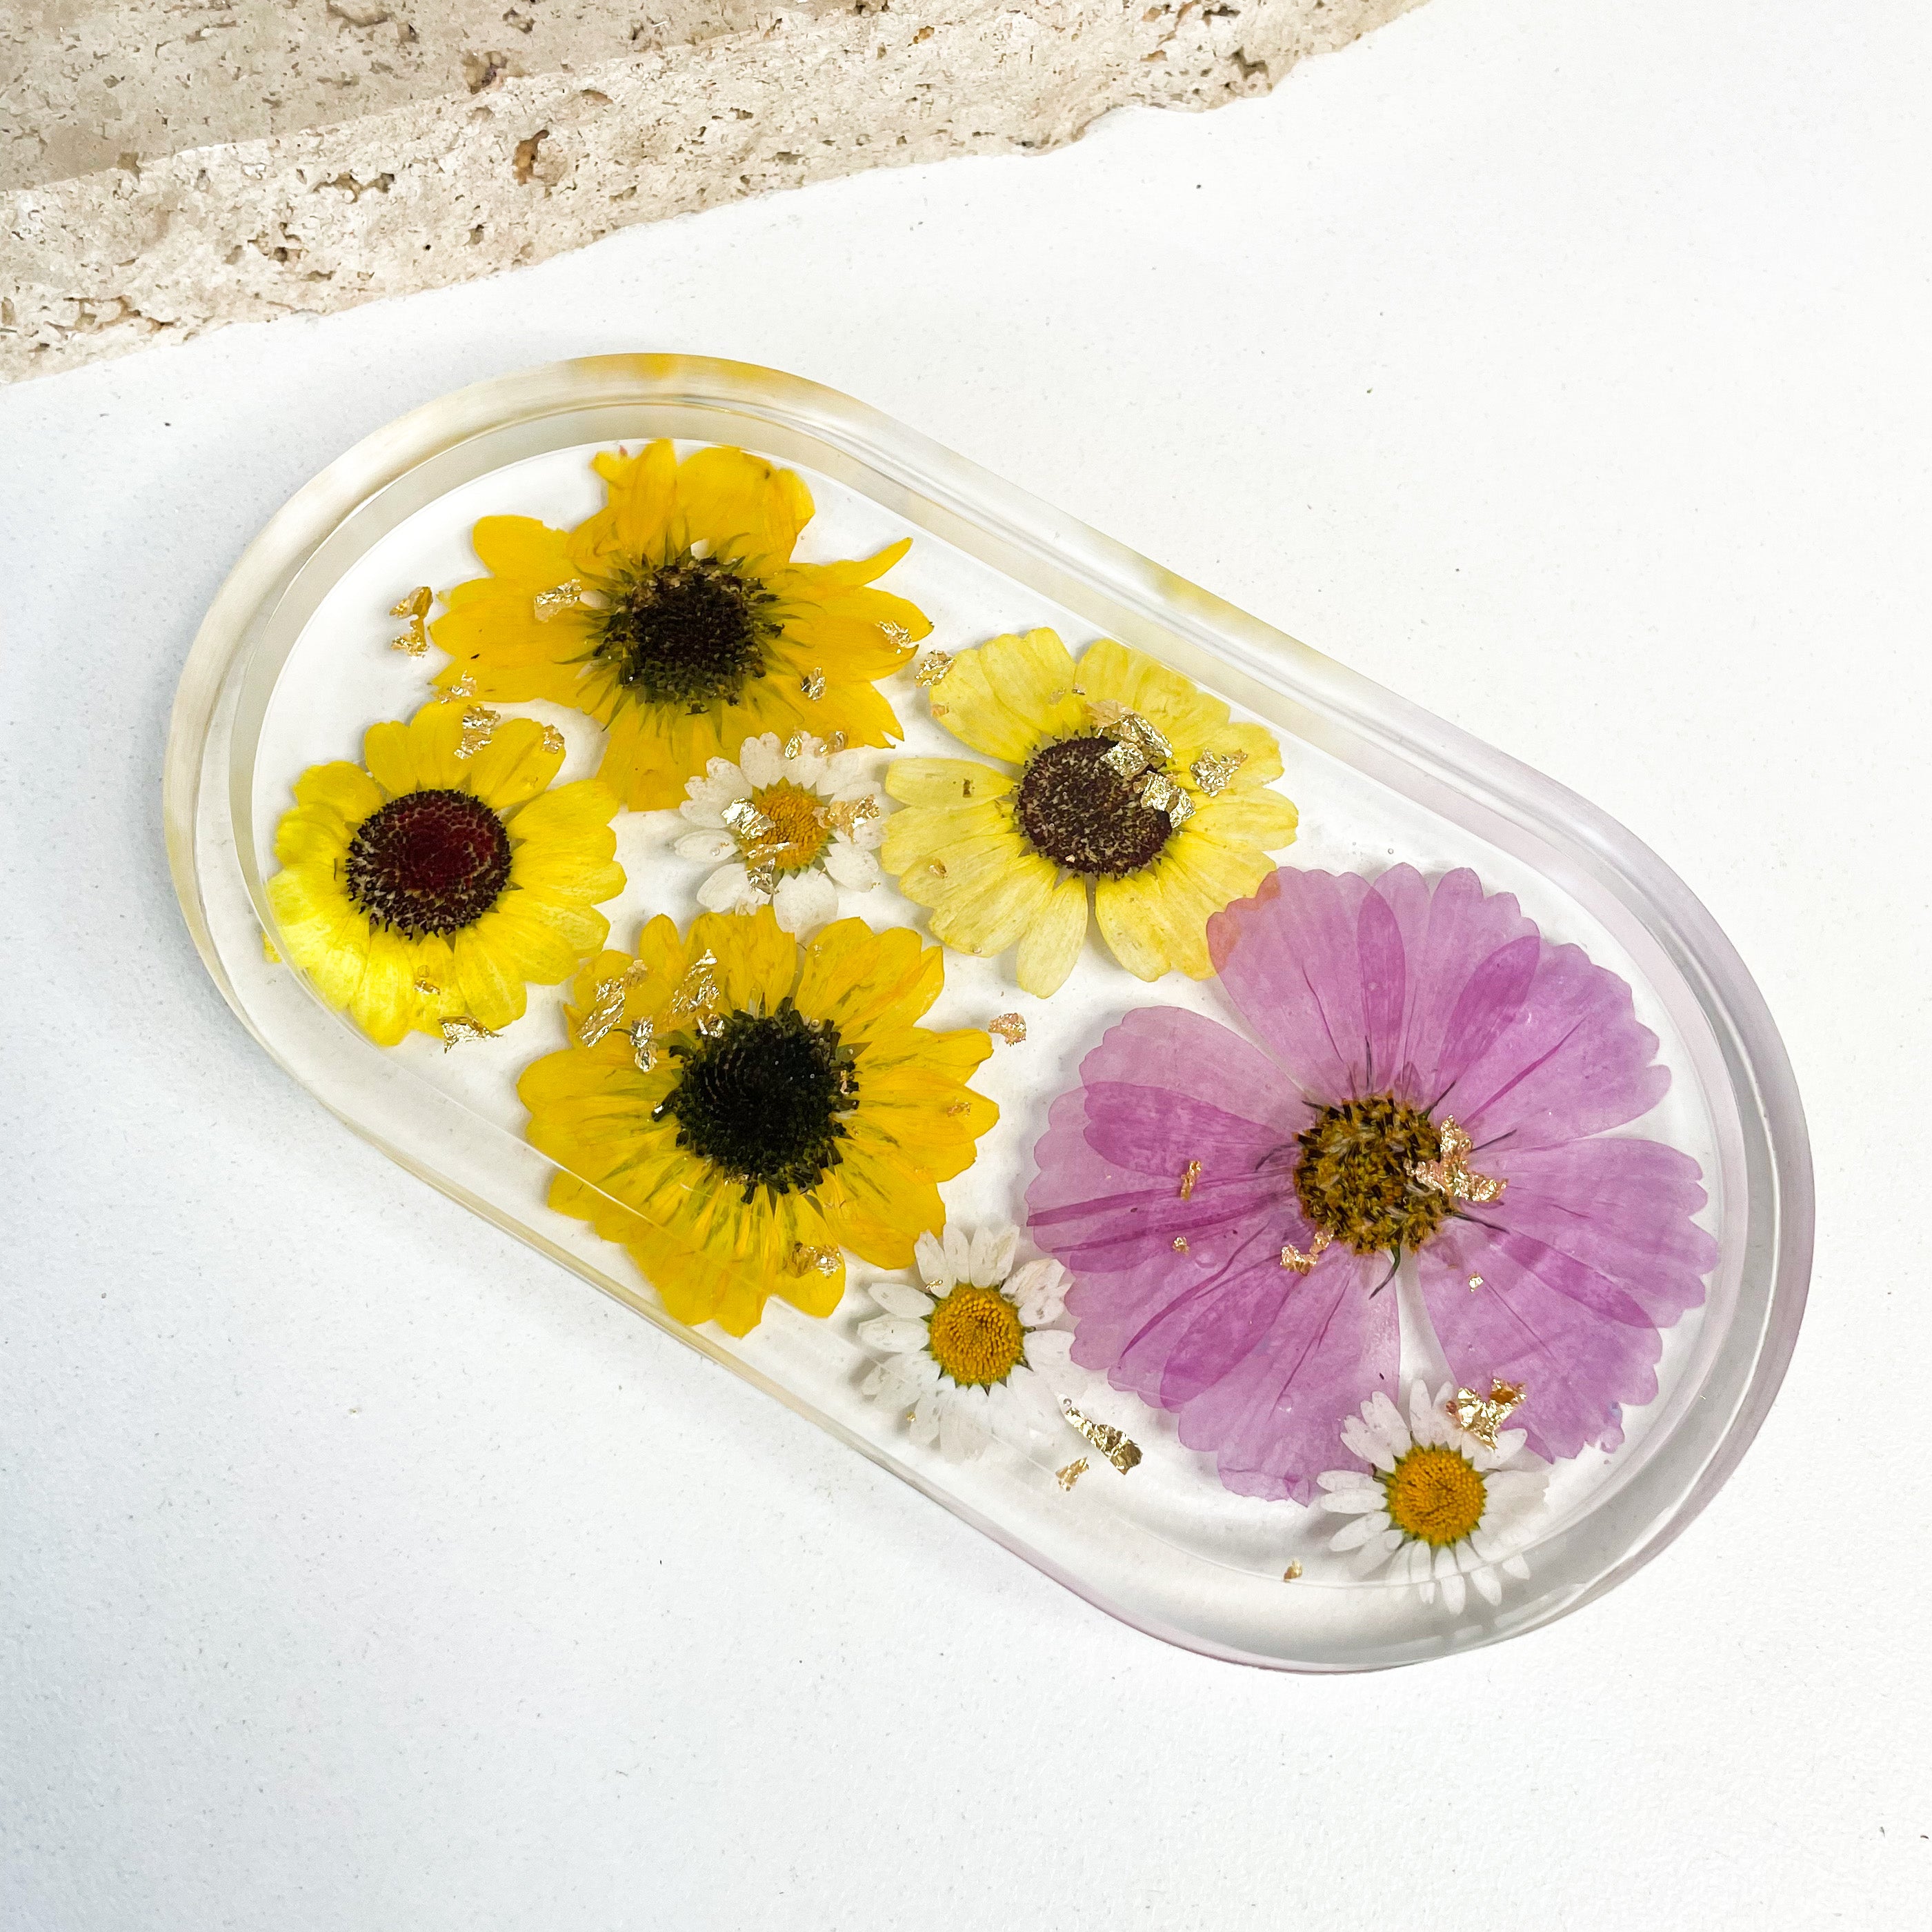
[(1563, 366)]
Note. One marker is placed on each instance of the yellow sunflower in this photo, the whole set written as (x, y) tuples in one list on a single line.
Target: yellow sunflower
[(737, 1109), (424, 887), (1129, 778), (676, 617)]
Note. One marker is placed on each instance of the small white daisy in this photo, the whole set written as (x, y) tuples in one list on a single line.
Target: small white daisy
[(790, 823), (1440, 1503), (972, 1356)]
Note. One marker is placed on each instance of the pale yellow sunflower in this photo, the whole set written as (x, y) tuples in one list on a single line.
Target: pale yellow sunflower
[(1128, 779), (737, 1109), (424, 887), (677, 618)]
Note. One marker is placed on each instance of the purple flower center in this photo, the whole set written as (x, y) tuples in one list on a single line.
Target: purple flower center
[(1356, 1179), (1077, 810), (691, 634), (430, 862)]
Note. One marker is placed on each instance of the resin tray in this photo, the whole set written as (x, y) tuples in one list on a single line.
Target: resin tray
[(294, 662)]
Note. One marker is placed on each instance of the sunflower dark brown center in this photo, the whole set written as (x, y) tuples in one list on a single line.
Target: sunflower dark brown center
[(430, 862), (693, 633), (1078, 811), (760, 1098), (1356, 1179)]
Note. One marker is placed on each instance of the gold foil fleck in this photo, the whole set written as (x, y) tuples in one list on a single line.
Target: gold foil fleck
[(644, 1049), (932, 667), (965, 787), (748, 825), (696, 993), (1159, 793), (960, 1107), (1129, 727), (805, 1258), (460, 1026), (836, 742), (1292, 1257), (1451, 1174), (941, 710), (550, 603), (1071, 1474), (794, 746), (1292, 1574), (1126, 759), (936, 867), (461, 692), (428, 987), (896, 633), (1181, 1244), (1180, 811), (606, 1009), (1189, 1174), (1106, 712), (1009, 1026), (414, 641), (813, 684), (1112, 1443), (1482, 1416), (847, 814), (479, 725), (1214, 771), (553, 741), (1475, 1282)]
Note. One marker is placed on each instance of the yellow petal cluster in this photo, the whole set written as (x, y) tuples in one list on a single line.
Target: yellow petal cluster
[(960, 849), (603, 1111), (542, 925), (539, 625)]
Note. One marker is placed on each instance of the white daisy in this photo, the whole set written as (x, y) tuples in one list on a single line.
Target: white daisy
[(1442, 1501), (789, 823), (972, 1356)]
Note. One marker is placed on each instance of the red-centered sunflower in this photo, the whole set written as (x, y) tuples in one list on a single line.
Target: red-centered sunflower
[(677, 617), (737, 1109)]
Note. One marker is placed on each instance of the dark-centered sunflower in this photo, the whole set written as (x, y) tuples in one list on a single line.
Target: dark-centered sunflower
[(677, 618), (737, 1109)]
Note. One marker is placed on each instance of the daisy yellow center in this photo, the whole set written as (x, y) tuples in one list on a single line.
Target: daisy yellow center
[(429, 862), (1077, 810), (975, 1337), (1434, 1495), (1355, 1178), (760, 1098), (799, 833), (691, 633)]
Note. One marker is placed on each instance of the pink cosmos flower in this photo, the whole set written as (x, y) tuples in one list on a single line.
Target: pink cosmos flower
[(1434, 1078)]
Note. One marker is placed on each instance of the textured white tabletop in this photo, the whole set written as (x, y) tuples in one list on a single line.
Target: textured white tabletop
[(1564, 367)]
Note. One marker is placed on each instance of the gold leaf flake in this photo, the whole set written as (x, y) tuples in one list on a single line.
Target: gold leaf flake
[(1181, 1244), (1009, 1026), (847, 814), (896, 633), (932, 667), (1071, 1474), (1180, 811), (1292, 1257), (836, 742), (1292, 1574), (1214, 771), (1112, 1443), (460, 1027), (794, 746), (428, 987), (941, 710), (697, 992), (965, 787), (1482, 1415), (1129, 727), (553, 740), (936, 867), (550, 603), (479, 726), (960, 1107), (606, 1008), (813, 684), (461, 692), (414, 641), (1451, 1173), (805, 1258), (1475, 1282), (1126, 759), (644, 1049), (1189, 1174), (1159, 793), (1106, 711), (749, 825)]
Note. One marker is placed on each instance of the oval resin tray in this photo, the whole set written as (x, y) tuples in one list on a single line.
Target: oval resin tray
[(1316, 1188)]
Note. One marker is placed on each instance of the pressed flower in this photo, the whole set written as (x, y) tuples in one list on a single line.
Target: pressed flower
[(1437, 1504), (737, 1109), (425, 887), (677, 618), (787, 824), (1435, 1079), (971, 1355), (1126, 782)]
